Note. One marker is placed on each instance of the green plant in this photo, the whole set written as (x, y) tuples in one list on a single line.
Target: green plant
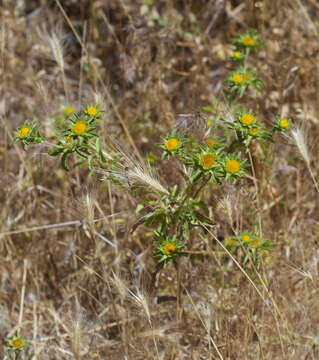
[(174, 213), (16, 346)]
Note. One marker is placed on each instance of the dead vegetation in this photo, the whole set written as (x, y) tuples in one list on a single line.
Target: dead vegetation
[(76, 282)]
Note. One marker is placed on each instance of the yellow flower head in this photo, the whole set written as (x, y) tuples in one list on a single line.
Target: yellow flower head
[(284, 123), (208, 160), (245, 238), (248, 41), (247, 76), (24, 131), (79, 128), (172, 144), (237, 54), (69, 110), (232, 166), (169, 248), (255, 243), (91, 110), (230, 241), (253, 131), (151, 159), (247, 119), (237, 78), (211, 142), (69, 140), (209, 122), (16, 343)]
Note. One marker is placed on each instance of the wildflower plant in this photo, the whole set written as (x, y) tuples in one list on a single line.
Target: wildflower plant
[(239, 80), (248, 41), (80, 138), (15, 346), (255, 247), (174, 213), (27, 134), (167, 248), (282, 125)]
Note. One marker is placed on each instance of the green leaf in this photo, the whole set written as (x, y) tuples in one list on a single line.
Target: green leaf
[(55, 151), (63, 161), (203, 206), (186, 229), (139, 207), (203, 218)]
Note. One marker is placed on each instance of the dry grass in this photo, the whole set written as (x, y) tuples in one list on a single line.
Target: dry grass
[(75, 281)]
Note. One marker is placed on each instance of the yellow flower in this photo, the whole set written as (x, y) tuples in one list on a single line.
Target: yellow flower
[(247, 119), (69, 110), (92, 110), (24, 131), (211, 142), (230, 241), (16, 342), (232, 166), (79, 128), (68, 140), (208, 160), (245, 238), (172, 144), (248, 41), (255, 243), (247, 76), (237, 54), (237, 78), (169, 248), (284, 123), (209, 122), (253, 131), (151, 159)]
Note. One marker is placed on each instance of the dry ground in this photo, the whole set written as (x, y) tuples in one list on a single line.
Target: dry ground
[(69, 289)]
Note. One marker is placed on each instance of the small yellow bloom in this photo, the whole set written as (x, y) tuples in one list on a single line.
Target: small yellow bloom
[(248, 41), (208, 160), (69, 110), (255, 243), (209, 122), (237, 54), (232, 166), (284, 123), (79, 128), (247, 119), (92, 110), (253, 131), (245, 238), (172, 144), (69, 140), (151, 159), (211, 142), (247, 76), (230, 241), (24, 131), (16, 342), (237, 78), (169, 248)]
